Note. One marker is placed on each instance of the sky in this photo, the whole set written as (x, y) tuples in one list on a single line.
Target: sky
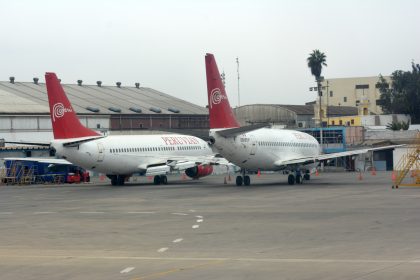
[(162, 43)]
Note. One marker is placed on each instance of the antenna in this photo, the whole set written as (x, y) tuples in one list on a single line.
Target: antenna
[(223, 76), (239, 96)]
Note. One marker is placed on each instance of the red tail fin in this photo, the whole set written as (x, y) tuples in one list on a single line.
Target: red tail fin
[(64, 119), (221, 114)]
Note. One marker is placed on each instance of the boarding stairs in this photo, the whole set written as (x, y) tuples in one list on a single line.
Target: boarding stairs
[(408, 162)]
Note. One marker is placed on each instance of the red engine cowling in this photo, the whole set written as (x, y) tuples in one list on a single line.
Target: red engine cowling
[(199, 171)]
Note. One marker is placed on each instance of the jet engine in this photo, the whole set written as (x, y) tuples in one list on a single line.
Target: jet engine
[(199, 171)]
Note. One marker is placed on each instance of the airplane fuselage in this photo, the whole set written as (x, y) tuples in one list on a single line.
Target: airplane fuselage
[(262, 148), (128, 154)]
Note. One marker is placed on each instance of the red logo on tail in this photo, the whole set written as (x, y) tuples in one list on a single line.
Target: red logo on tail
[(216, 97)]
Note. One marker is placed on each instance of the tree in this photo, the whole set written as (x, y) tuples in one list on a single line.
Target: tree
[(315, 61), (403, 95), (398, 126)]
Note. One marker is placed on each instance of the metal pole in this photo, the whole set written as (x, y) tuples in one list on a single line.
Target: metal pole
[(320, 112), (239, 97)]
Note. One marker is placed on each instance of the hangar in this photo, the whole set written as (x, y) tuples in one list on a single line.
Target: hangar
[(24, 110)]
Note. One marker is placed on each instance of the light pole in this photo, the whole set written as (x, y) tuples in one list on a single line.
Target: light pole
[(237, 69), (319, 80)]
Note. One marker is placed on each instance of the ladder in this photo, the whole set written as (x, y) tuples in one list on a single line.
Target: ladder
[(408, 162)]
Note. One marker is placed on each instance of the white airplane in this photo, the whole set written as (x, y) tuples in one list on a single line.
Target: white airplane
[(120, 156), (257, 147)]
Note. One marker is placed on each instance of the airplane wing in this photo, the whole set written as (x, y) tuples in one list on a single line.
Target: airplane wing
[(164, 165), (308, 160)]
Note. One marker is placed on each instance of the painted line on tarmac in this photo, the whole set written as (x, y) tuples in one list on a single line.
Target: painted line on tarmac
[(45, 212), (6, 213), (161, 250), (199, 217), (267, 260), (144, 212), (199, 220), (92, 212), (177, 240), (179, 214), (127, 269), (195, 226), (192, 210)]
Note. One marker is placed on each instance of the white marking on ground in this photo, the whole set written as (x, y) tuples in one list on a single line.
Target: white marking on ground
[(92, 212), (36, 213), (195, 226), (161, 250), (6, 213), (180, 214), (145, 212), (127, 270), (192, 210), (199, 220), (200, 217), (177, 240), (263, 260)]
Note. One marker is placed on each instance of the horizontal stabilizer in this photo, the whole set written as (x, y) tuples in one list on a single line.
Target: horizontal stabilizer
[(28, 143), (239, 130), (75, 143)]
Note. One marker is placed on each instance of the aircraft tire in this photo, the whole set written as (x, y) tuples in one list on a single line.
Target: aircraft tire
[(307, 177), (156, 180), (299, 179), (113, 180), (247, 180), (120, 180), (239, 180), (291, 179), (164, 179)]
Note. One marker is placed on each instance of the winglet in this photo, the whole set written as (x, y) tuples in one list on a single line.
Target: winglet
[(221, 114), (64, 119)]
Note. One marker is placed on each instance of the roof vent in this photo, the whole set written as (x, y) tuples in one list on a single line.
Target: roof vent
[(173, 110), (137, 85), (36, 80), (156, 110), (92, 109), (115, 109), (135, 110), (99, 83), (79, 82), (12, 80), (118, 84)]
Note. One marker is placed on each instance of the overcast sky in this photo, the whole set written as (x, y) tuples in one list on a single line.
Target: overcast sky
[(162, 44)]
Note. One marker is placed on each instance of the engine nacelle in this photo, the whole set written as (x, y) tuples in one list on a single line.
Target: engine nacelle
[(199, 171)]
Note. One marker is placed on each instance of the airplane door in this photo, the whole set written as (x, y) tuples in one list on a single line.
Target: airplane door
[(101, 152), (253, 144)]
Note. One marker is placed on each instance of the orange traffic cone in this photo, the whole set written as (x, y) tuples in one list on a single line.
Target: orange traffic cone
[(393, 176), (373, 171), (316, 172), (259, 173), (102, 177), (360, 177)]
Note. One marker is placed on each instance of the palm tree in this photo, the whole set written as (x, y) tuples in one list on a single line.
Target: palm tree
[(315, 61)]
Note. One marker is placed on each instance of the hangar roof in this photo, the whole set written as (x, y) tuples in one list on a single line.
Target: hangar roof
[(309, 109), (31, 98)]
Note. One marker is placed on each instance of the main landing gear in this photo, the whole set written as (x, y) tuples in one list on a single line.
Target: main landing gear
[(117, 180), (298, 178), (244, 179), (160, 179)]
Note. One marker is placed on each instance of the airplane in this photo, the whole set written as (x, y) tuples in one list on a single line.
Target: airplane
[(257, 148), (120, 156)]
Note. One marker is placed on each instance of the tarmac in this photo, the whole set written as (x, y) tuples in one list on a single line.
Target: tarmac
[(333, 227)]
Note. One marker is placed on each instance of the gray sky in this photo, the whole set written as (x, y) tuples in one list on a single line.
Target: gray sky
[(162, 44)]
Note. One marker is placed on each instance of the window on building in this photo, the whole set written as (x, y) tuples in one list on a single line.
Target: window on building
[(98, 125), (332, 122), (352, 121), (341, 122), (362, 86), (345, 98), (331, 93)]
